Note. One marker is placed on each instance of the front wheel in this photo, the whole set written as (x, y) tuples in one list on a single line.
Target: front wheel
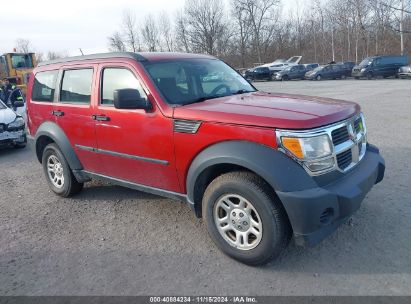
[(318, 78), (58, 173), (245, 219)]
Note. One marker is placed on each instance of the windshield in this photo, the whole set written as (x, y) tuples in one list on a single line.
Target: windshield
[(318, 69), (21, 61), (186, 81), (366, 62)]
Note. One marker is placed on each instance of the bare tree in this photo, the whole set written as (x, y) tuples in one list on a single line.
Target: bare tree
[(130, 31), (150, 33), (116, 43), (23, 46), (166, 31), (262, 15), (203, 24)]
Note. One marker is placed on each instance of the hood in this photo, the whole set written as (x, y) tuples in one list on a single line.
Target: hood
[(7, 116), (272, 110)]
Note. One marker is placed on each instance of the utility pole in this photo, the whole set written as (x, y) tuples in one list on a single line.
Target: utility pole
[(402, 27)]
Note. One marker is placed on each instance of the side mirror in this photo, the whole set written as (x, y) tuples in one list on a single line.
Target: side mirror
[(18, 104), (130, 99)]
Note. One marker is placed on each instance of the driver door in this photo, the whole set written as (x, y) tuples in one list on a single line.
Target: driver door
[(134, 145)]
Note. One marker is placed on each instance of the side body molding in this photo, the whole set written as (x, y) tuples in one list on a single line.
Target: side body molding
[(273, 166), (53, 131)]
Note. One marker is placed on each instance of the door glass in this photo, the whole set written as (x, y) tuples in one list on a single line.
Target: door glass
[(44, 85), (117, 79), (76, 86)]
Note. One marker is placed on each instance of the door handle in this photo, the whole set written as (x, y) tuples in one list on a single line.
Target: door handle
[(57, 113), (100, 117)]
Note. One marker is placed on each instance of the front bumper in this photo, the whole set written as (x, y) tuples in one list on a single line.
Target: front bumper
[(358, 73), (315, 213), (12, 137)]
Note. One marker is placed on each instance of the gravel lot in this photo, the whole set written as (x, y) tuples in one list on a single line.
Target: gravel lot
[(113, 241)]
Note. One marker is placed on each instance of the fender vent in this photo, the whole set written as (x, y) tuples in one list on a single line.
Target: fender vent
[(186, 126)]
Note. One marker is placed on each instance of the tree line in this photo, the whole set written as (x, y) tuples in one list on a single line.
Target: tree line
[(249, 32), (245, 33)]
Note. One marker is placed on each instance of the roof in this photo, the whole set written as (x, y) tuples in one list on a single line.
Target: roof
[(143, 56)]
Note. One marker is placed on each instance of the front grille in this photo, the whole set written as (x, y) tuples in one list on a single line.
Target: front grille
[(340, 135), (344, 159)]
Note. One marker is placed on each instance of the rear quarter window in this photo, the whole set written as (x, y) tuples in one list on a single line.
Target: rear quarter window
[(44, 86)]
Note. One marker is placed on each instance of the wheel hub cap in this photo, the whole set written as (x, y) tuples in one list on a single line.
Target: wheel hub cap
[(238, 222), (55, 171)]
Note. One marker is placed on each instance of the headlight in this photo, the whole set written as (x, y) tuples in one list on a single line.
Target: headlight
[(308, 147), (314, 152), (363, 70), (17, 123)]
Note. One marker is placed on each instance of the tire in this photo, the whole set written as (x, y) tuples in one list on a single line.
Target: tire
[(370, 76), (343, 77), (65, 184), (262, 211), (357, 78), (285, 78), (318, 78)]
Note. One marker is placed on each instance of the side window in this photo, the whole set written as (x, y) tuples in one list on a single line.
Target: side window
[(117, 79), (44, 86), (76, 86)]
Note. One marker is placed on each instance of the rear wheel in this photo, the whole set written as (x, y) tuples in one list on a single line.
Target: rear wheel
[(58, 173), (245, 219)]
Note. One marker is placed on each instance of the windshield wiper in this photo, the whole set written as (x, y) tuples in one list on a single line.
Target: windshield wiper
[(201, 99), (242, 91)]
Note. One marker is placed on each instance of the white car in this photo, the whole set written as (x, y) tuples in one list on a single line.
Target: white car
[(12, 127)]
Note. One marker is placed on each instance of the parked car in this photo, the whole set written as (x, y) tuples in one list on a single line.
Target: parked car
[(404, 72), (347, 67), (310, 66), (12, 127), (261, 73), (329, 71), (385, 66), (258, 167), (292, 72)]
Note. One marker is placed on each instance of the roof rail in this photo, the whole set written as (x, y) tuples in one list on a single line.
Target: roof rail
[(129, 55)]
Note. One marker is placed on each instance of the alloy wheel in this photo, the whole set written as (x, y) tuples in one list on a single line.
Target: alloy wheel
[(238, 222)]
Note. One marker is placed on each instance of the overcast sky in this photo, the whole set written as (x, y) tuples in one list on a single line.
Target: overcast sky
[(66, 26)]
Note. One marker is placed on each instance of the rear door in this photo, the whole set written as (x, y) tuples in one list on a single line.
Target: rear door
[(73, 112), (40, 98)]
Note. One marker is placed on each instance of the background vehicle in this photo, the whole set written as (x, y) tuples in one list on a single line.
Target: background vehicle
[(385, 66), (280, 64), (311, 66), (330, 71), (17, 68), (292, 72), (260, 73), (12, 127), (347, 67), (258, 167), (404, 72)]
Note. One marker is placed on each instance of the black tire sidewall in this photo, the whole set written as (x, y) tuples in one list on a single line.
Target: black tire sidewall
[(271, 242), (52, 149)]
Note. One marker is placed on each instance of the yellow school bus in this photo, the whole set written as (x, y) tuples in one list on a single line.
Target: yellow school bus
[(17, 68)]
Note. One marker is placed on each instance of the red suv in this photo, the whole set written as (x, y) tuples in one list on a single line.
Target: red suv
[(258, 167)]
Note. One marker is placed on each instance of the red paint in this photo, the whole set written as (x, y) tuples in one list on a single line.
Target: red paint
[(248, 117)]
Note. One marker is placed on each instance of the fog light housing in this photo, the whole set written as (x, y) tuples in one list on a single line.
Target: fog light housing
[(320, 165)]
